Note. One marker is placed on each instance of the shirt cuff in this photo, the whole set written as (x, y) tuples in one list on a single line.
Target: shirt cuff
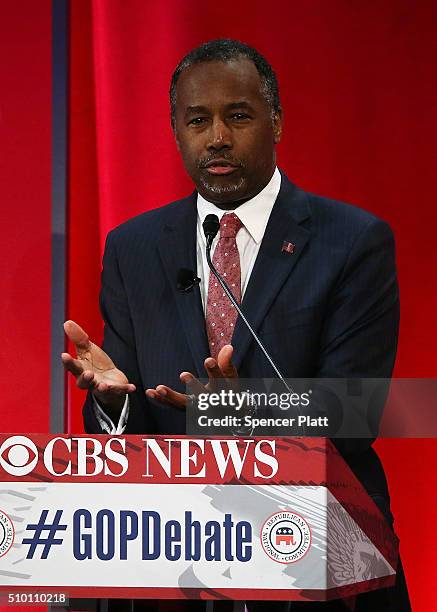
[(106, 423)]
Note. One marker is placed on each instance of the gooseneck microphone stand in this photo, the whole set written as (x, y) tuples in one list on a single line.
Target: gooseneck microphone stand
[(211, 226)]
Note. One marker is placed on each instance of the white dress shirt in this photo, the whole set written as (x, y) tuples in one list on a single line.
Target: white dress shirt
[(254, 215)]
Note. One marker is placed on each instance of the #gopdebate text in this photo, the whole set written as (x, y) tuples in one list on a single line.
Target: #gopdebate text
[(144, 535)]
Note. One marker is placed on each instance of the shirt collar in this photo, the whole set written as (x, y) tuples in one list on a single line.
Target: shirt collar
[(254, 214)]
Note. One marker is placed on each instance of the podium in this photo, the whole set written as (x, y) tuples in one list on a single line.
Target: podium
[(179, 517)]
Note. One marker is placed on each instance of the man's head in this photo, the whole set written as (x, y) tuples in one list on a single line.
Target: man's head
[(226, 116)]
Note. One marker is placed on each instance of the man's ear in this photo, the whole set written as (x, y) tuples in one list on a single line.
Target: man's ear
[(277, 126)]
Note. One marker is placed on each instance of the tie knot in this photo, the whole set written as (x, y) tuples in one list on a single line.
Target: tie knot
[(229, 225)]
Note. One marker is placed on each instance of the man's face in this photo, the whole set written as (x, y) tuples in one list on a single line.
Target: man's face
[(225, 130)]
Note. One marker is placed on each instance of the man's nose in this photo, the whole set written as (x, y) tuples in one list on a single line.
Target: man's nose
[(219, 136)]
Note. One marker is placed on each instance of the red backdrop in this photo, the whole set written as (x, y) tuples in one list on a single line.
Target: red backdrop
[(25, 190), (356, 80), (25, 221)]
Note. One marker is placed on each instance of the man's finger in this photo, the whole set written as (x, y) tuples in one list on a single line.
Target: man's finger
[(168, 396), (224, 360), (72, 365), (86, 380), (120, 389), (77, 335), (194, 386), (212, 368)]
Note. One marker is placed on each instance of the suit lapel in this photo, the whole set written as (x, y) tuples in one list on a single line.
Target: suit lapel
[(177, 249), (273, 265)]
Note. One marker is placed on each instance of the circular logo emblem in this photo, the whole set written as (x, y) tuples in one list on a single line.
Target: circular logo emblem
[(22, 455), (7, 533), (285, 537)]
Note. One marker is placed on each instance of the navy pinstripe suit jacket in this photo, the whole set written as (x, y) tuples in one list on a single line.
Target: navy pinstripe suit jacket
[(330, 309)]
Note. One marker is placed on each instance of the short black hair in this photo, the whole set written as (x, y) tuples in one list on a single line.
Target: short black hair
[(225, 50)]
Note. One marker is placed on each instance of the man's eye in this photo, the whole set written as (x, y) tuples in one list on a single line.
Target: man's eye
[(240, 116), (197, 121)]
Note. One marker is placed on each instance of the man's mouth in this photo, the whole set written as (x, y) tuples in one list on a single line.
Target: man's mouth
[(219, 167)]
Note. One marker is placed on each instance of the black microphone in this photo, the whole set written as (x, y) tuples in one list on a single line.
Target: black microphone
[(211, 226), (186, 280)]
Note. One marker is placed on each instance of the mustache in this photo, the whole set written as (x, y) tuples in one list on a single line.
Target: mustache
[(203, 162)]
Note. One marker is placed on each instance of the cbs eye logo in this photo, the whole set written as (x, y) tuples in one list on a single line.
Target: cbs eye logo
[(18, 455)]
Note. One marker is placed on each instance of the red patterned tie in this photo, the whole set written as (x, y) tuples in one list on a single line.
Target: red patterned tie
[(220, 314)]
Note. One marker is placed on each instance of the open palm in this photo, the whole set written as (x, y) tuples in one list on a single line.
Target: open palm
[(94, 369)]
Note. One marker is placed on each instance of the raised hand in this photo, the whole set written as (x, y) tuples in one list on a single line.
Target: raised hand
[(220, 368), (95, 370)]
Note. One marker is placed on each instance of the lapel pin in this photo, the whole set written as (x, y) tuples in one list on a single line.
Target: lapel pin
[(288, 247)]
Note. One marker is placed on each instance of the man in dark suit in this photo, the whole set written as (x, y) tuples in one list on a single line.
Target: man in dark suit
[(325, 306)]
